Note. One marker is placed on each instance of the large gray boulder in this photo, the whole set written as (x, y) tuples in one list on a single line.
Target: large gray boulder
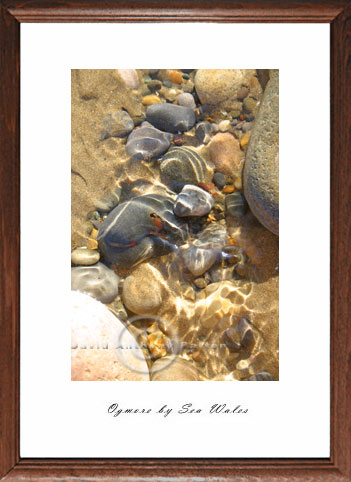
[(261, 169)]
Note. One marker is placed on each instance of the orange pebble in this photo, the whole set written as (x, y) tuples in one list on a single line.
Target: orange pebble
[(92, 244), (228, 189), (175, 77), (244, 140)]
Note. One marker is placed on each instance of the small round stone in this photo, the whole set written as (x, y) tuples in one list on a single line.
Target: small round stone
[(151, 99), (224, 125), (249, 105), (193, 201), (186, 100), (200, 283), (154, 85), (175, 76), (97, 281), (219, 180), (142, 291), (170, 95), (84, 257), (242, 93), (228, 189), (236, 205), (130, 77)]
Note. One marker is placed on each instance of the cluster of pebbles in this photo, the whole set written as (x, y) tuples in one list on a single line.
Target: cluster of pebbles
[(174, 250)]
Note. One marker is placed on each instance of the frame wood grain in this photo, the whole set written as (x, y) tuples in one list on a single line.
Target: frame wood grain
[(335, 468)]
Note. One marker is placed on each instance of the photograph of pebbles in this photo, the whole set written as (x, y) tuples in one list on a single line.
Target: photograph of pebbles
[(175, 225)]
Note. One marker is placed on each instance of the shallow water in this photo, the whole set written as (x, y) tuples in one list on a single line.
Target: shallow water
[(200, 315)]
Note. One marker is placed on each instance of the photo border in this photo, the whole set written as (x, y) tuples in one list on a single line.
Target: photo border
[(338, 15)]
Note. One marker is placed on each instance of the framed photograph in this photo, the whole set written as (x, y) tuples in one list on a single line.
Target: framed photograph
[(172, 224)]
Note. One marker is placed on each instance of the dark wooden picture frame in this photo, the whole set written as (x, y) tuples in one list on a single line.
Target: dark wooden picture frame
[(338, 15)]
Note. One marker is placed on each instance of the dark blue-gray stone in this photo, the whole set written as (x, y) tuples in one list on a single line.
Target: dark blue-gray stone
[(139, 229), (170, 117), (219, 180), (203, 131), (147, 142)]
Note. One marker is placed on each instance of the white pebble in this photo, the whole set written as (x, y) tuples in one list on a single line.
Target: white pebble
[(224, 125)]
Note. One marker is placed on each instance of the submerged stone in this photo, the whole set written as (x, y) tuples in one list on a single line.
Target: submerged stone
[(219, 180), (98, 281), (184, 165), (245, 333), (203, 132), (199, 260), (118, 124), (147, 142), (170, 117), (193, 201), (186, 100), (236, 205), (140, 229), (261, 170), (84, 257)]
